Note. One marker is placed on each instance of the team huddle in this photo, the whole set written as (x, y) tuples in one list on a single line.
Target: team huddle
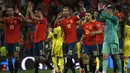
[(97, 40)]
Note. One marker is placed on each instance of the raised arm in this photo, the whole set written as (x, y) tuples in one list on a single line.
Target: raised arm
[(27, 13), (99, 18), (106, 16), (27, 16), (59, 16), (23, 19), (81, 6), (50, 34), (30, 7), (82, 11)]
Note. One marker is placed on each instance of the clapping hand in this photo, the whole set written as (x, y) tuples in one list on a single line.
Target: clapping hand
[(60, 14), (30, 6)]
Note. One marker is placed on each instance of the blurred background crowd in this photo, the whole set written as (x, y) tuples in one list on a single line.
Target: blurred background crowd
[(50, 9)]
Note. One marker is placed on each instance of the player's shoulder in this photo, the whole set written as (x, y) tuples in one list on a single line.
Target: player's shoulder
[(74, 16), (84, 24), (44, 18)]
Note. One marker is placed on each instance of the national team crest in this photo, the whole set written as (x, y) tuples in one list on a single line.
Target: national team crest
[(71, 21)]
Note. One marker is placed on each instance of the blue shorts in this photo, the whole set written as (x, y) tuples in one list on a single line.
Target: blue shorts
[(68, 47), (11, 48), (85, 49), (38, 49)]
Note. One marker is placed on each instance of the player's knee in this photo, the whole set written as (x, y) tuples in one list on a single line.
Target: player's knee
[(105, 56)]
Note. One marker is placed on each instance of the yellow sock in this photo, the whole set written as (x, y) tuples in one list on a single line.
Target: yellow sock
[(54, 60), (88, 67), (61, 64), (78, 49), (98, 63), (126, 62)]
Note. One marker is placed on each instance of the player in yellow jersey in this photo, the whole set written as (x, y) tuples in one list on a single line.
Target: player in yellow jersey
[(56, 52), (126, 47)]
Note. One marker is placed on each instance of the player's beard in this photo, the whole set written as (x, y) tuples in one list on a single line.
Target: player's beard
[(66, 15)]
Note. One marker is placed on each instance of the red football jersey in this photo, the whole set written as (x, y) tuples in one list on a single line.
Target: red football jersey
[(120, 16), (69, 27), (100, 37), (87, 29), (12, 29), (40, 30)]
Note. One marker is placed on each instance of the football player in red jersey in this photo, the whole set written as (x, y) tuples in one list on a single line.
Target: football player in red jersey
[(99, 42), (40, 23), (88, 41), (12, 36), (68, 25)]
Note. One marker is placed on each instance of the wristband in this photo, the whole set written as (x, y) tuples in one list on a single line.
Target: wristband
[(19, 14)]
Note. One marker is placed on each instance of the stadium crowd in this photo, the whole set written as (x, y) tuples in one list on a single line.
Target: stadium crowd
[(86, 30)]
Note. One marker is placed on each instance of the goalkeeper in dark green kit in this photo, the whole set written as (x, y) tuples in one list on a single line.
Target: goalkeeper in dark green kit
[(111, 42)]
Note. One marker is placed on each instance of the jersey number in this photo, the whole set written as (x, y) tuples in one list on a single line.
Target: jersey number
[(115, 50)]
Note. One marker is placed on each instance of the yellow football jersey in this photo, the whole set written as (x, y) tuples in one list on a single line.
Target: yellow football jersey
[(57, 42), (127, 41)]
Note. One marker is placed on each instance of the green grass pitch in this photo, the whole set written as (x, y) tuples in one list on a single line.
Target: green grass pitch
[(48, 71)]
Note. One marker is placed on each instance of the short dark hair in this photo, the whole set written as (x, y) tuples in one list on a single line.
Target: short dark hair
[(111, 7), (65, 7), (91, 12)]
